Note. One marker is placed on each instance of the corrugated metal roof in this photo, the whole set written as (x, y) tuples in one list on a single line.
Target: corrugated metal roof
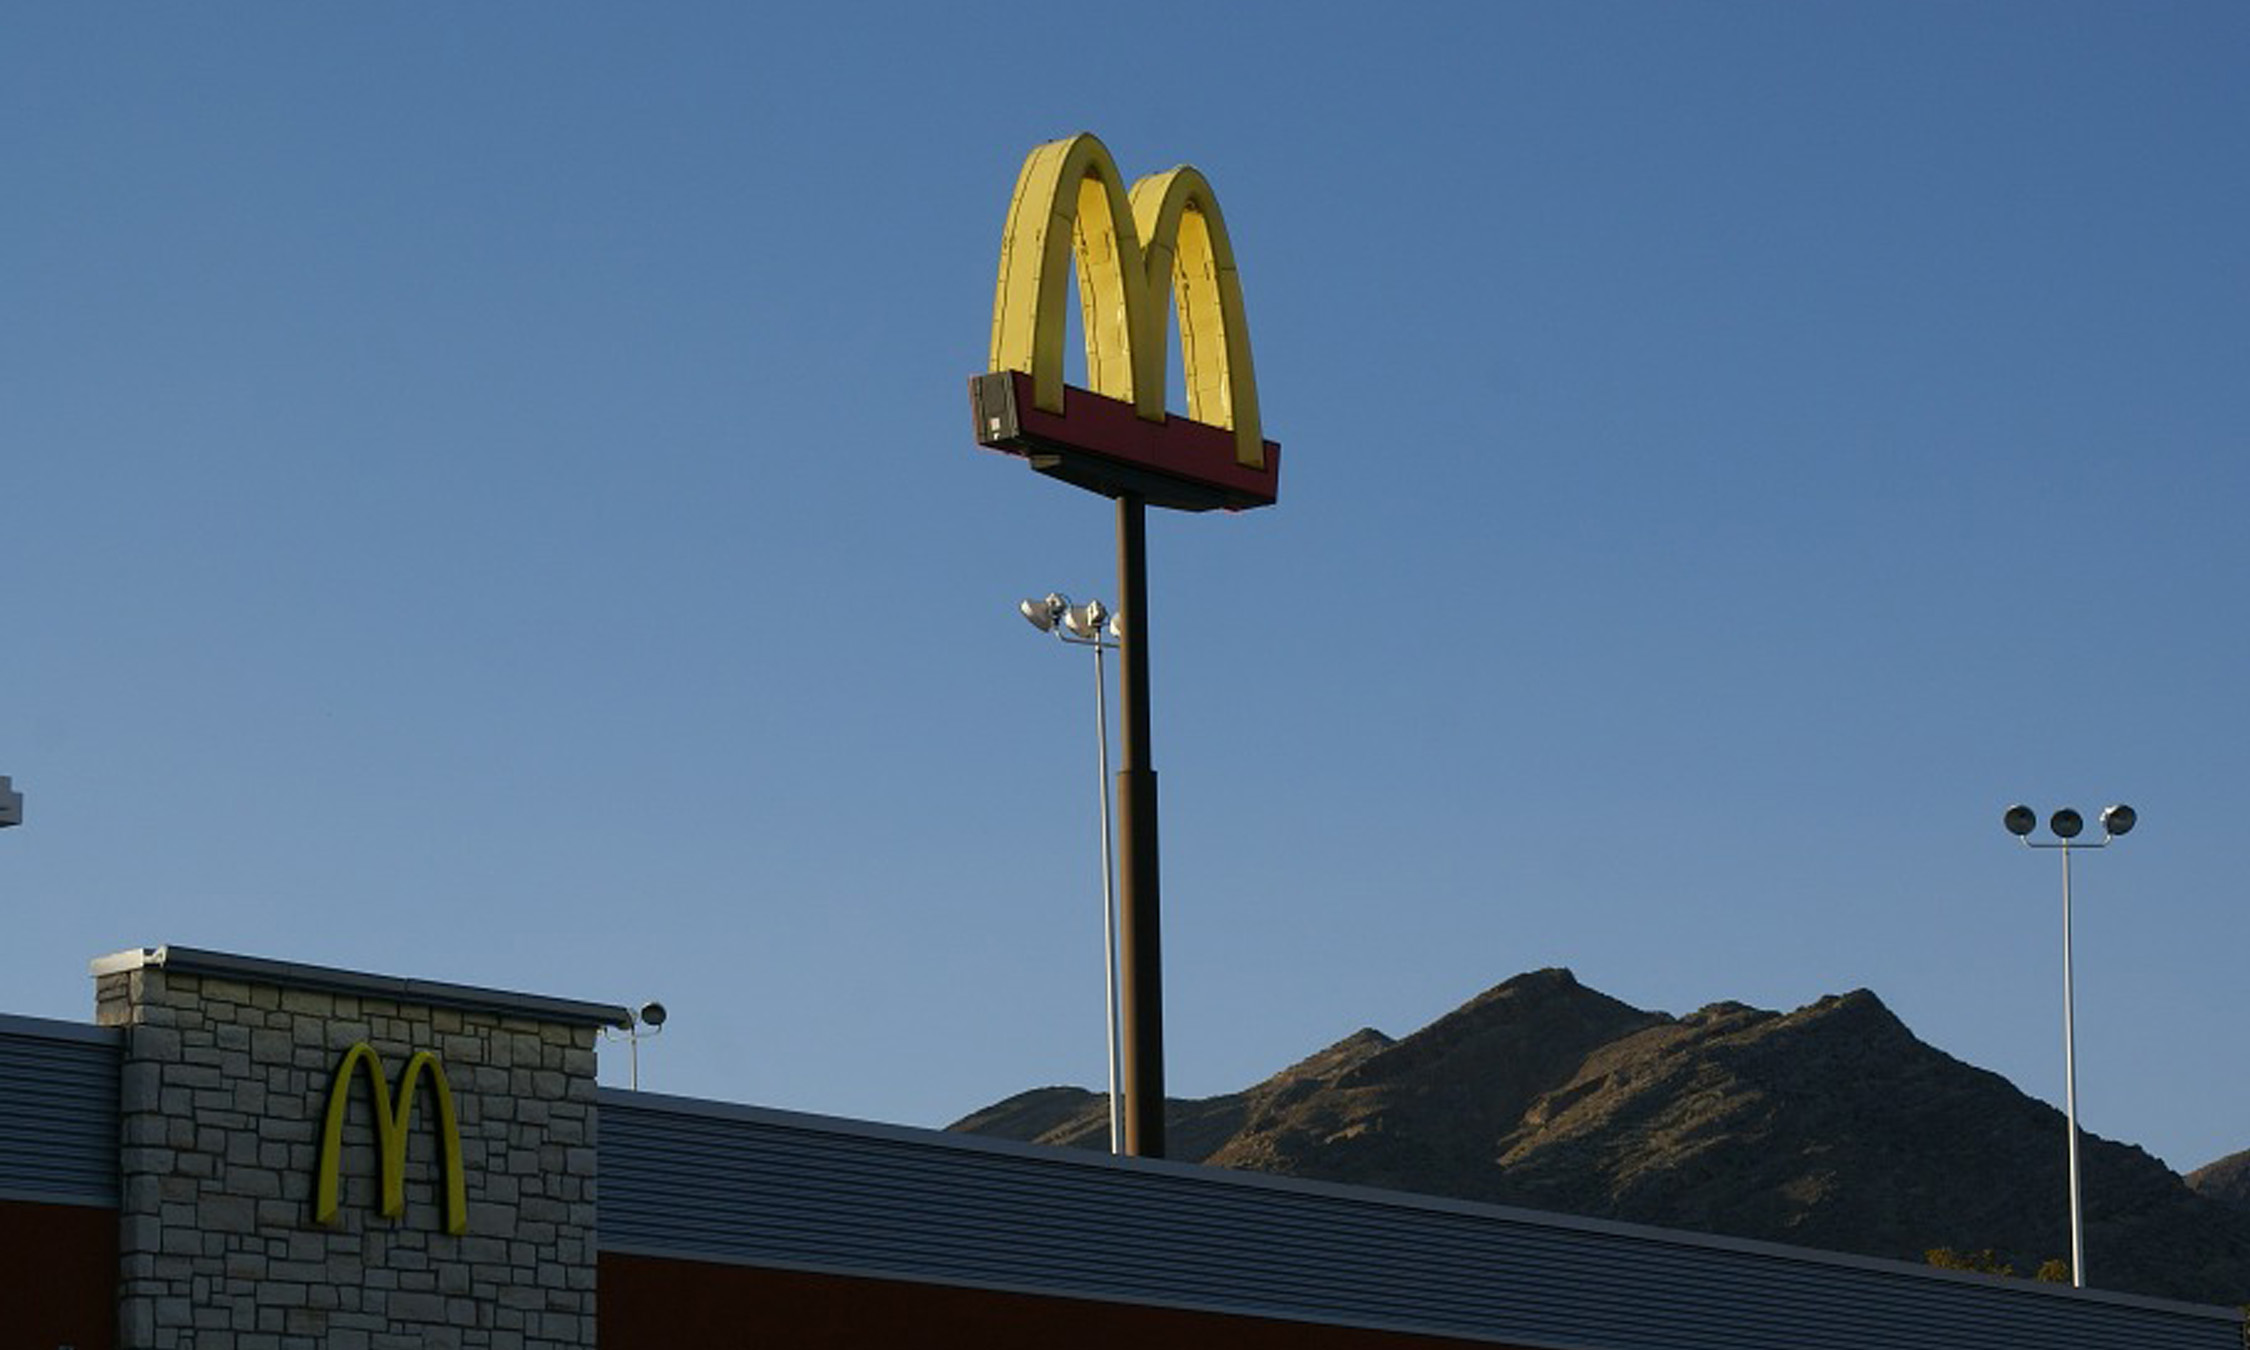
[(58, 1111), (707, 1181)]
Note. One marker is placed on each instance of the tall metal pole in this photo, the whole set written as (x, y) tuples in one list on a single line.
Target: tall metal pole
[(2117, 822), (1140, 954), (2070, 1088), (1109, 899)]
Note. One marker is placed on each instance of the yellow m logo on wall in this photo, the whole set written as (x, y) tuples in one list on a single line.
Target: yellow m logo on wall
[(392, 1116), (1139, 255)]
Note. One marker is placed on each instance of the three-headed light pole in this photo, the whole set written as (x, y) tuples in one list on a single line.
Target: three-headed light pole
[(1133, 922), (2066, 825), (1083, 626)]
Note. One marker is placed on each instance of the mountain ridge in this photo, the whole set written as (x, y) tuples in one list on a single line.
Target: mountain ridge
[(1832, 1126)]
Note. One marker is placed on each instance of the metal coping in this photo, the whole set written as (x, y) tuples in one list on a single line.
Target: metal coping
[(42, 1028), (292, 975), (1056, 1155)]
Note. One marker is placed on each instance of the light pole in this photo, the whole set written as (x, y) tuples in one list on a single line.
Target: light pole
[(2066, 824), (646, 1021), (1082, 626)]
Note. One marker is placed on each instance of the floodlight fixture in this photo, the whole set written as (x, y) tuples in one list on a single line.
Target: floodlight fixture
[(11, 803), (2021, 820), (1085, 621), (640, 1024), (2066, 823), (1045, 614), (2119, 820)]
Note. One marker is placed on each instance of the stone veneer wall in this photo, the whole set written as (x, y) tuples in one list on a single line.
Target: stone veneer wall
[(227, 1070)]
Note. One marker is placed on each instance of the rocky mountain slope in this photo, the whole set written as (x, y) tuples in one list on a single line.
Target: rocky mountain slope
[(1831, 1127), (2227, 1180)]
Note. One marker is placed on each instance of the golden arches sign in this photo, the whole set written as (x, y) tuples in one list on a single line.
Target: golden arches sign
[(1140, 254), (392, 1117)]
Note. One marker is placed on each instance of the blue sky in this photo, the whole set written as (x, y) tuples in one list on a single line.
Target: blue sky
[(488, 496)]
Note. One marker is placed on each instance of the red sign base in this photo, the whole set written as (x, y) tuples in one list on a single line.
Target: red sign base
[(1103, 445)]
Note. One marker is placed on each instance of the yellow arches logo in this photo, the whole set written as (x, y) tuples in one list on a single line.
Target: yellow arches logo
[(1140, 254), (392, 1117)]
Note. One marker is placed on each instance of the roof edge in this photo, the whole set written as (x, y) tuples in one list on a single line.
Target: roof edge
[(328, 979)]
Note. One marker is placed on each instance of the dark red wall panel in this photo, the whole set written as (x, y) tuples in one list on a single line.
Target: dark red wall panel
[(58, 1276), (648, 1303)]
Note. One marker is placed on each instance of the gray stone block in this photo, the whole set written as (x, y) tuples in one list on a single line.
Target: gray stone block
[(408, 1305), (193, 1076), (153, 1043), (256, 1182), (136, 1321), (308, 1003), (140, 1086), (140, 1233)]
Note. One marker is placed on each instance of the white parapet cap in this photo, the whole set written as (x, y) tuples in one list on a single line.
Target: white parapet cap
[(328, 979)]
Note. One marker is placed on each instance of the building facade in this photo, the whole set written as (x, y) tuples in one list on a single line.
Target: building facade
[(243, 1154)]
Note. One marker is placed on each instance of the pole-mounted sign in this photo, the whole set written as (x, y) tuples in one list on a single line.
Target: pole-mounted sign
[(1140, 256)]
